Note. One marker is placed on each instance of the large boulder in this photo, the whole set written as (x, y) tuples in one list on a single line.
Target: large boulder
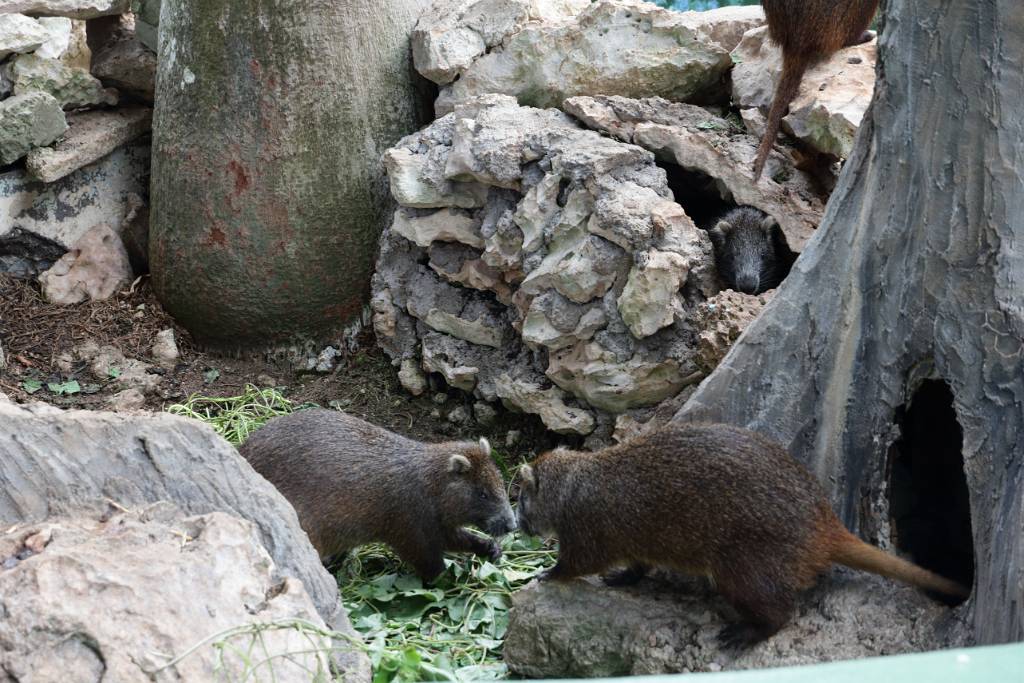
[(60, 463), (544, 265), (127, 596), (830, 104), (667, 625), (621, 47)]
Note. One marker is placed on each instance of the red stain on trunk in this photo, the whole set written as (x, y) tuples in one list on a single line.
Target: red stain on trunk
[(241, 177)]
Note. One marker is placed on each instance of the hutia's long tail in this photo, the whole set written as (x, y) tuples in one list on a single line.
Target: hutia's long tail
[(855, 553), (792, 73)]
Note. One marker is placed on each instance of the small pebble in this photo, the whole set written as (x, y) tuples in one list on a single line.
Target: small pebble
[(512, 438), (440, 398)]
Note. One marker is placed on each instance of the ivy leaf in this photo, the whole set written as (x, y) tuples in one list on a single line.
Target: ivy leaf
[(31, 386)]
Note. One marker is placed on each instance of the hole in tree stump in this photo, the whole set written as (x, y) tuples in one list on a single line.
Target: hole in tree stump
[(929, 505)]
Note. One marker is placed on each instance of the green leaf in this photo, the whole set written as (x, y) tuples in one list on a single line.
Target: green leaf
[(62, 388), (407, 582), (113, 373), (31, 386), (211, 375), (487, 570)]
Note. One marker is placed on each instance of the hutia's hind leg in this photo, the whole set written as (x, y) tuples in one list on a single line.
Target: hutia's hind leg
[(764, 605)]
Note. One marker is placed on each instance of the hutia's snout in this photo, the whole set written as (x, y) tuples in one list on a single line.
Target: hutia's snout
[(747, 283), (503, 524)]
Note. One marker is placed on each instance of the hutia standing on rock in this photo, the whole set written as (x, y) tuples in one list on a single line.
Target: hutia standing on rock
[(353, 483), (808, 31), (708, 500)]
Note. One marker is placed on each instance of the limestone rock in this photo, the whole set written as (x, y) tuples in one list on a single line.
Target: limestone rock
[(650, 301), (62, 463), (440, 354), (597, 375), (59, 35), (451, 34), (126, 64), (464, 266), (695, 139), (78, 54), (443, 226), (549, 404), (165, 350), (412, 378), (71, 86), (623, 47), (61, 212), (413, 187), (722, 319), (833, 96), (20, 34), (28, 121), (74, 9), (90, 136), (120, 598), (665, 625), (555, 322), (727, 25), (93, 270)]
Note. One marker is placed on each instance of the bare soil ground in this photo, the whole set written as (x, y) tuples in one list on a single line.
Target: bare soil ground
[(39, 339)]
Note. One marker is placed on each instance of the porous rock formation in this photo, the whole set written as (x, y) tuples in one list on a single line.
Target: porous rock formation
[(538, 263)]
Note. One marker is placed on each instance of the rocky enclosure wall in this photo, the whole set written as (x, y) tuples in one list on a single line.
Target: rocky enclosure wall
[(557, 260), (76, 87)]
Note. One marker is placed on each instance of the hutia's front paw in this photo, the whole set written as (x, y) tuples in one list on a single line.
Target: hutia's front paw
[(491, 550)]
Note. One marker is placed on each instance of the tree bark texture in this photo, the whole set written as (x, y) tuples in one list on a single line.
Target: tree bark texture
[(268, 194), (917, 272)]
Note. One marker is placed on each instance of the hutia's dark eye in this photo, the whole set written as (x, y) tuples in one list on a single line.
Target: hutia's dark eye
[(482, 495)]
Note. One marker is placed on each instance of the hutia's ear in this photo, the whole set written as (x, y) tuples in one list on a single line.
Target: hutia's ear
[(768, 224), (527, 477), (719, 233), (485, 446), (458, 463)]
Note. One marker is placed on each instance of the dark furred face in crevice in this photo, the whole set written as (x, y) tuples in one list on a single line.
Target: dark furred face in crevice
[(751, 251), (475, 493)]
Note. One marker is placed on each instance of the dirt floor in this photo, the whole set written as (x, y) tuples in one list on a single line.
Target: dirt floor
[(41, 342)]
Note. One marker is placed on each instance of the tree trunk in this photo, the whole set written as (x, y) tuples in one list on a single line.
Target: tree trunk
[(268, 195), (916, 274)]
